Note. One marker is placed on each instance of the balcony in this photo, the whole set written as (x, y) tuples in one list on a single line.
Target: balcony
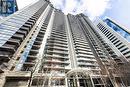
[(104, 60), (83, 42), (103, 43), (56, 36), (4, 57), (44, 27), (58, 39), (113, 55), (55, 75), (58, 32), (42, 32), (27, 25), (37, 43), (57, 45), (85, 53), (18, 36), (87, 64), (83, 47), (39, 39), (24, 29), (3, 67), (118, 60), (31, 21), (32, 57), (62, 35), (56, 61), (45, 24), (40, 35), (102, 56), (100, 53), (57, 52), (57, 66), (91, 69), (19, 74), (111, 51), (98, 49), (57, 48), (13, 41), (86, 56), (22, 32), (54, 67), (106, 63), (29, 64), (36, 47), (8, 48), (86, 59), (30, 60), (33, 51), (55, 41), (57, 57), (33, 18)]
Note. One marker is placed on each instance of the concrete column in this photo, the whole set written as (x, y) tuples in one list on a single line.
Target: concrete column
[(72, 54), (47, 34)]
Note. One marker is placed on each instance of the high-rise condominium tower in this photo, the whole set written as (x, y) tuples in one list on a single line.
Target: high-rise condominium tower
[(42, 47)]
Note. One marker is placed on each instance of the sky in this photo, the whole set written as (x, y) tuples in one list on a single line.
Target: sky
[(24, 3), (118, 10)]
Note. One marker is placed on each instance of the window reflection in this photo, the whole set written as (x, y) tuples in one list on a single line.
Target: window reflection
[(6, 31), (118, 29), (12, 24), (16, 21)]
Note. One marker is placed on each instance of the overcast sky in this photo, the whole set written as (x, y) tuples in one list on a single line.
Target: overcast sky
[(115, 9)]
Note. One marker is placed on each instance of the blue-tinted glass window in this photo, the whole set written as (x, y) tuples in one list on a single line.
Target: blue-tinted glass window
[(6, 32), (118, 29)]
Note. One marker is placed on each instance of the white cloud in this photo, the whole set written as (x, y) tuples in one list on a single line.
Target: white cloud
[(92, 8), (23, 3), (58, 3)]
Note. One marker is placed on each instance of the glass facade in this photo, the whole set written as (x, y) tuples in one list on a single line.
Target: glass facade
[(8, 7), (9, 28), (13, 24), (26, 52), (6, 33), (118, 29)]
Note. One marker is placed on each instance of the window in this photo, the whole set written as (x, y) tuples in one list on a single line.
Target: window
[(112, 38), (116, 42), (121, 46), (16, 21), (126, 53), (108, 34)]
